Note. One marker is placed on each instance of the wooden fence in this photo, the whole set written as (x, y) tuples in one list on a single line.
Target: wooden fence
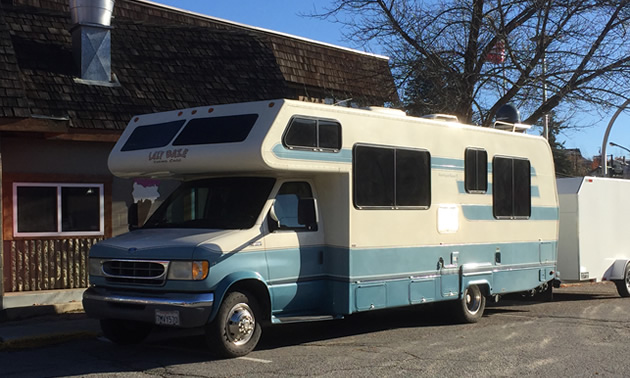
[(33, 265)]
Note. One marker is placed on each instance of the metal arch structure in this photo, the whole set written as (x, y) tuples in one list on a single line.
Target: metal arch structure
[(605, 140)]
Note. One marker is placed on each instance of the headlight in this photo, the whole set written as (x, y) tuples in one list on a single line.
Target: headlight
[(96, 267), (188, 270)]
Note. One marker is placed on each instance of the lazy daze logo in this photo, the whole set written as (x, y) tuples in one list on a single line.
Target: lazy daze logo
[(168, 156)]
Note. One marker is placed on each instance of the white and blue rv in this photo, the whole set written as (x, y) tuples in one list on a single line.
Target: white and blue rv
[(294, 211)]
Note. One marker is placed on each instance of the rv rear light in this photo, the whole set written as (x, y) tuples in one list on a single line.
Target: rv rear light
[(96, 267), (188, 270)]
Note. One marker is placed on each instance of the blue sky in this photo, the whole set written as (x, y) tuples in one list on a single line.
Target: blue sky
[(286, 16)]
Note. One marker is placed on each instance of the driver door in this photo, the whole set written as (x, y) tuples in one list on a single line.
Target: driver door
[(295, 251)]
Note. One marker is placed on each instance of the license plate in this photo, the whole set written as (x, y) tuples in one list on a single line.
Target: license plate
[(168, 318)]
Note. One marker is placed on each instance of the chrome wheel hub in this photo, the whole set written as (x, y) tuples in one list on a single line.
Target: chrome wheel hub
[(473, 300), (240, 324)]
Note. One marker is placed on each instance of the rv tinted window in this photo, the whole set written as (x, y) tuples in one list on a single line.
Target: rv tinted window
[(229, 129), (476, 170), (152, 136), (387, 177), (301, 133), (373, 176), (313, 134), (522, 188), (413, 179), (329, 135), (511, 188)]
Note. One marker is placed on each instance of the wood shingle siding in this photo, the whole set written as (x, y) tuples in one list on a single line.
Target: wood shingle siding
[(165, 59)]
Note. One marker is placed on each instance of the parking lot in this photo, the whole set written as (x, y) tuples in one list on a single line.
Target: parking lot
[(583, 332)]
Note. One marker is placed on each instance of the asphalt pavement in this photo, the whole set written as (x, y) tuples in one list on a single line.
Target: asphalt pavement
[(47, 330), (31, 329)]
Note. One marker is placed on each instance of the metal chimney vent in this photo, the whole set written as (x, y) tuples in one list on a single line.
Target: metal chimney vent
[(91, 38)]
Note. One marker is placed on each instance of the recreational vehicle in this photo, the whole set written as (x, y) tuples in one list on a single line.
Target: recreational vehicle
[(293, 211)]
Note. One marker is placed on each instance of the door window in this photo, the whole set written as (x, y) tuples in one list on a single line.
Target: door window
[(294, 208)]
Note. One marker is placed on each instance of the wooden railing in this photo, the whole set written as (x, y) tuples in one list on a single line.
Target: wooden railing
[(32, 265)]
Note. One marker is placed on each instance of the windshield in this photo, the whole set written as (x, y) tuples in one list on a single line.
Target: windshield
[(220, 203)]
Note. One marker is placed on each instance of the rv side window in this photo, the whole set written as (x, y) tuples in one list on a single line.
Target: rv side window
[(476, 170), (313, 134), (387, 177), (288, 206), (229, 129), (152, 136), (511, 188)]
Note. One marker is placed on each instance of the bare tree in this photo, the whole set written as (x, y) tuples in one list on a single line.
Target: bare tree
[(470, 57)]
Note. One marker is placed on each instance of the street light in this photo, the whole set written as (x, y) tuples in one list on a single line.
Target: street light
[(607, 133), (613, 144)]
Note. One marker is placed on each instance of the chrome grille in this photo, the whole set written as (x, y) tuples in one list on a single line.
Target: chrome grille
[(135, 271)]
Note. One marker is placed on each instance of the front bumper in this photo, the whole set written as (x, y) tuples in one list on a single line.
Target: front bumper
[(193, 309)]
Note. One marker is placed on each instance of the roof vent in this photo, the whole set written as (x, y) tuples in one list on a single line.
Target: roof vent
[(442, 117), (91, 38), (389, 111)]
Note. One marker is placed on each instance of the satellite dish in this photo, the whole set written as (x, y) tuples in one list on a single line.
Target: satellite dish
[(508, 113)]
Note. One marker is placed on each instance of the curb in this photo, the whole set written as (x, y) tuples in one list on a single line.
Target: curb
[(45, 340)]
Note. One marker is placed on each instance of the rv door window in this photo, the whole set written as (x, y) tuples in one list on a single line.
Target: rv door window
[(213, 130), (152, 136), (219, 203), (511, 188)]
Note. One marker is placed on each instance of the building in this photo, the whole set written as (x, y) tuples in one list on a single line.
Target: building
[(69, 87)]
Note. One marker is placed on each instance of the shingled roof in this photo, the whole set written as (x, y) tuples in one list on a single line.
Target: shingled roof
[(166, 59)]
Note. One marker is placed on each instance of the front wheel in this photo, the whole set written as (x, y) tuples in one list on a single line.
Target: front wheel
[(623, 286), (469, 308), (236, 329), (125, 332)]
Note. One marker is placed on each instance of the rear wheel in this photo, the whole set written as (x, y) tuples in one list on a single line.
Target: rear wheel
[(469, 308), (125, 332), (623, 286), (236, 329)]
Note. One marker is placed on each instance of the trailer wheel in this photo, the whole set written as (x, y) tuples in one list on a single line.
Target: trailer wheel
[(125, 332), (623, 286), (236, 329), (469, 308)]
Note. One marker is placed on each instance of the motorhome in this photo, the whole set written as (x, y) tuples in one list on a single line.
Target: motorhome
[(293, 211)]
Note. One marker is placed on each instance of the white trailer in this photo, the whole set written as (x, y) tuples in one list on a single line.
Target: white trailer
[(594, 240)]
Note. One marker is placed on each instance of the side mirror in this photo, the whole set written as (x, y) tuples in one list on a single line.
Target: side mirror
[(132, 217), (272, 220), (307, 213)]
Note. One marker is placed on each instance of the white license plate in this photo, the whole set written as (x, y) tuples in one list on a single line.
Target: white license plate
[(169, 318)]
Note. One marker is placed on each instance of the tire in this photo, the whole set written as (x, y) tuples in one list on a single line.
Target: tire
[(236, 329), (623, 286), (469, 308), (546, 295), (125, 332)]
